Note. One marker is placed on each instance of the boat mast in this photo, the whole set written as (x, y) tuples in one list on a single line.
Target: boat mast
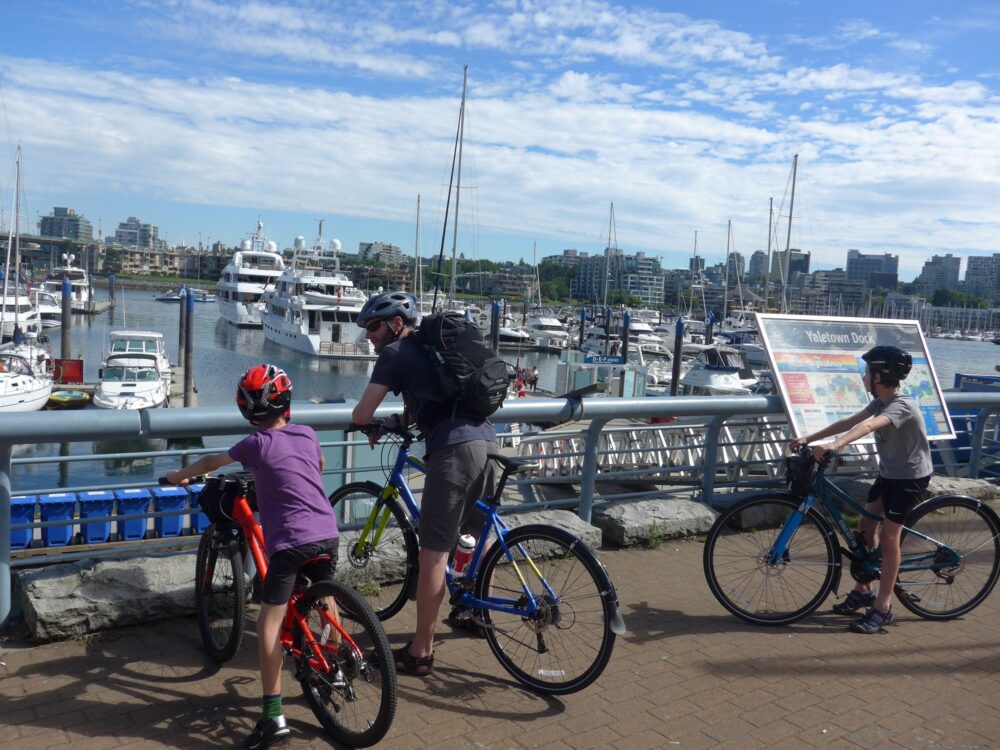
[(451, 179), (418, 276), (725, 285), (458, 188), (607, 256), (788, 238), (767, 271)]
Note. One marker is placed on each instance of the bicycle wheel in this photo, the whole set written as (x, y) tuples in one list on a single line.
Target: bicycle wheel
[(569, 643), (762, 593), (971, 529), (357, 702), (220, 592), (382, 573)]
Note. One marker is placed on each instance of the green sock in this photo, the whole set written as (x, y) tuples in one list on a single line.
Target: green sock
[(272, 706)]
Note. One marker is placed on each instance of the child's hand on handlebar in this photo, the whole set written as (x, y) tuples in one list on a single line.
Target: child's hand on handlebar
[(796, 444), (175, 478)]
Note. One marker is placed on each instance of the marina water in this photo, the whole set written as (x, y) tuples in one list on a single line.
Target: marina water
[(222, 352)]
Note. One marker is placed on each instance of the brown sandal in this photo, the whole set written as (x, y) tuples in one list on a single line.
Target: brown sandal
[(418, 666)]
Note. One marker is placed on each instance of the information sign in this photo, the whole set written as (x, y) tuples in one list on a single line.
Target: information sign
[(818, 368)]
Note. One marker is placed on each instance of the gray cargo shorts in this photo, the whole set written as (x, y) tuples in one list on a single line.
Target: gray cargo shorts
[(457, 475)]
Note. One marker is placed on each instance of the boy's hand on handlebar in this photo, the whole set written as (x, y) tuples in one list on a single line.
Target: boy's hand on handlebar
[(795, 445), (174, 477)]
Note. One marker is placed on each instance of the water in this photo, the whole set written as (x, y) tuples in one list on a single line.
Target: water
[(222, 353)]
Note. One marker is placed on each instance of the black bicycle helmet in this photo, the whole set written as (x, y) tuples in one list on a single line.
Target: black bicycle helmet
[(386, 306), (264, 392), (890, 362)]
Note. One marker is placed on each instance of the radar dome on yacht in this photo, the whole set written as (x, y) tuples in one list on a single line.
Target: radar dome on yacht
[(272, 246), (245, 245), (335, 244), (300, 243)]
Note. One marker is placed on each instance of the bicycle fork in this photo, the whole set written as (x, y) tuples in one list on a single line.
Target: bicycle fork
[(778, 554)]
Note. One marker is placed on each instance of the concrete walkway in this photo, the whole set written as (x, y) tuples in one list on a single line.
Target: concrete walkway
[(687, 675)]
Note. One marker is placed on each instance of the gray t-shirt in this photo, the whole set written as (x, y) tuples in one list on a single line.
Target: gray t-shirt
[(404, 367), (903, 450)]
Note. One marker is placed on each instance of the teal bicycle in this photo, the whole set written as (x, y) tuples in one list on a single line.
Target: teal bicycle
[(546, 604), (773, 558)]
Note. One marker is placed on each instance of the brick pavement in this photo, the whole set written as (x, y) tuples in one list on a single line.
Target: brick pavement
[(687, 675)]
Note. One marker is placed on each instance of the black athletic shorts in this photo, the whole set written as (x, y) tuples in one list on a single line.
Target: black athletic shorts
[(283, 568), (899, 496)]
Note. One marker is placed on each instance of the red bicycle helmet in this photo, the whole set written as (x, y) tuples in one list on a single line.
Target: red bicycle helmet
[(264, 392)]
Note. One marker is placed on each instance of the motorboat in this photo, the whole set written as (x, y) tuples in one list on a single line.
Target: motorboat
[(253, 270), (170, 295), (124, 343), (79, 282), (546, 330), (314, 308), (48, 306), (130, 381), (17, 311), (718, 371), (23, 385)]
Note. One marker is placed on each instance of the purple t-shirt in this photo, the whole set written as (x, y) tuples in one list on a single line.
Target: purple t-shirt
[(294, 509)]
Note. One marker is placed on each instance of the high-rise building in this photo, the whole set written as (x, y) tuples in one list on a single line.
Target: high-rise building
[(569, 257), (862, 267), (982, 276), (636, 275), (758, 265), (66, 223), (798, 261), (382, 252), (133, 233), (940, 272)]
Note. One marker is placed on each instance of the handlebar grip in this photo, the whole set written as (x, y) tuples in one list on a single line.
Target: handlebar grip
[(198, 479)]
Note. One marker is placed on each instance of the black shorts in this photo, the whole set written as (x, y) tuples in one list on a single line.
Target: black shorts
[(898, 496), (283, 568)]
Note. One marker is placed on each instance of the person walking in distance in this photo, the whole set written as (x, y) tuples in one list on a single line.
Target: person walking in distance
[(295, 515), (904, 471), (457, 472)]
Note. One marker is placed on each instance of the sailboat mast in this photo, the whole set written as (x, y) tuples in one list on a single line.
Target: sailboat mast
[(17, 237), (447, 205), (607, 255), (788, 238), (418, 285), (458, 186), (10, 246), (725, 285), (767, 270)]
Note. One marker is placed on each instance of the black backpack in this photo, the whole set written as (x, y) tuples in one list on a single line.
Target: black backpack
[(469, 375)]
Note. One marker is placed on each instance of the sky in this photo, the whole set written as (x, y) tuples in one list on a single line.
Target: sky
[(201, 115)]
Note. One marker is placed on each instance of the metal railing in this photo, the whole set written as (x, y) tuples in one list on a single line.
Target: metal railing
[(717, 444)]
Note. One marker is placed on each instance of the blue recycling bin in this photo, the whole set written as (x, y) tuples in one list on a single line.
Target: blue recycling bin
[(199, 521), (22, 510), (97, 504), (168, 499), (58, 506), (132, 501)]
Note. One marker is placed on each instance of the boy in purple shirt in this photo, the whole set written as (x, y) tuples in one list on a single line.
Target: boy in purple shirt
[(295, 515)]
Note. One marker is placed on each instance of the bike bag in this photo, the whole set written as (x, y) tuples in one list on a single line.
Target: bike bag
[(220, 492), (799, 472)]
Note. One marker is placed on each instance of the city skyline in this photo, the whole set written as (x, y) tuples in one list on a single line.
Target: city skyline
[(200, 116)]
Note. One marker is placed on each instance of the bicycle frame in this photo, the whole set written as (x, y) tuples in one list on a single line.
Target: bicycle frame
[(458, 585), (828, 494), (253, 534)]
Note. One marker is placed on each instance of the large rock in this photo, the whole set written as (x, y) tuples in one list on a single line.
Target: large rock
[(641, 521), (940, 485), (71, 599), (563, 519)]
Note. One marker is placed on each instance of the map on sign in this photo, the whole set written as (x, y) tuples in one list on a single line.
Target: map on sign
[(817, 367)]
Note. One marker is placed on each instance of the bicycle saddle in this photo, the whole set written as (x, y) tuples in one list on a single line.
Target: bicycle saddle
[(514, 464)]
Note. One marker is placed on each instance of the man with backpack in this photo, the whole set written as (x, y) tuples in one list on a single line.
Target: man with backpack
[(440, 394)]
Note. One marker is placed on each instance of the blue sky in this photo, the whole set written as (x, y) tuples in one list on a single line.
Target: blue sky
[(200, 115)]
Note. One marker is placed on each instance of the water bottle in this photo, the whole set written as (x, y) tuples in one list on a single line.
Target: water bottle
[(463, 553)]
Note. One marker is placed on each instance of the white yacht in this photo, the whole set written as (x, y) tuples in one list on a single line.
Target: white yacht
[(48, 306), (253, 269), (22, 386), (547, 331), (123, 343), (16, 309), (79, 282), (130, 381), (718, 371), (641, 333), (314, 308)]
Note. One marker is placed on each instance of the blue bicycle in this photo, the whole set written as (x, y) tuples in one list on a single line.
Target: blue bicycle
[(546, 604), (773, 558)]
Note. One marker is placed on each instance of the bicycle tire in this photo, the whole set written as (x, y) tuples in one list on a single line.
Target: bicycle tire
[(743, 582), (384, 575), (220, 593), (359, 711), (577, 625), (972, 529)]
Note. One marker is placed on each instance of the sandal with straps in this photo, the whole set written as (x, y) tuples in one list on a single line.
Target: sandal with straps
[(418, 666), (854, 601)]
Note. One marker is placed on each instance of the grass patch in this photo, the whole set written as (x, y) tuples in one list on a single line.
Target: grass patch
[(655, 538)]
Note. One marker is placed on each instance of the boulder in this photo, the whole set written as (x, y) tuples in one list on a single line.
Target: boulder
[(71, 599), (563, 519), (630, 522)]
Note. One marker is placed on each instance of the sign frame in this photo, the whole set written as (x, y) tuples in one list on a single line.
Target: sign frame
[(811, 362)]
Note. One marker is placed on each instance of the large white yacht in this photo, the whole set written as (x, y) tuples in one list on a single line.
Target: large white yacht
[(314, 308), (124, 343), (16, 310), (719, 371), (546, 329), (253, 269), (130, 381), (79, 282)]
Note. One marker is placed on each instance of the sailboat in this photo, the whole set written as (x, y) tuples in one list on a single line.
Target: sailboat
[(25, 383)]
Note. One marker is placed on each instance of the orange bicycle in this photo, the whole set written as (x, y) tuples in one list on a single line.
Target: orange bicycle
[(341, 654)]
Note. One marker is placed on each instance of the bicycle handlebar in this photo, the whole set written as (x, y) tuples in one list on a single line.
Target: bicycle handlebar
[(379, 426), (191, 480)]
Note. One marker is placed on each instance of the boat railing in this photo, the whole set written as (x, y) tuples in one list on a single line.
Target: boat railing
[(592, 452)]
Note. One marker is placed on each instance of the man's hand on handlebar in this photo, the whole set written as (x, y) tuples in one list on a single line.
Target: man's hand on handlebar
[(375, 429)]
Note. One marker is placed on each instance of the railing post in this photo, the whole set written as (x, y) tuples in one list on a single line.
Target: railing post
[(709, 455), (588, 481), (5, 488), (976, 444)]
